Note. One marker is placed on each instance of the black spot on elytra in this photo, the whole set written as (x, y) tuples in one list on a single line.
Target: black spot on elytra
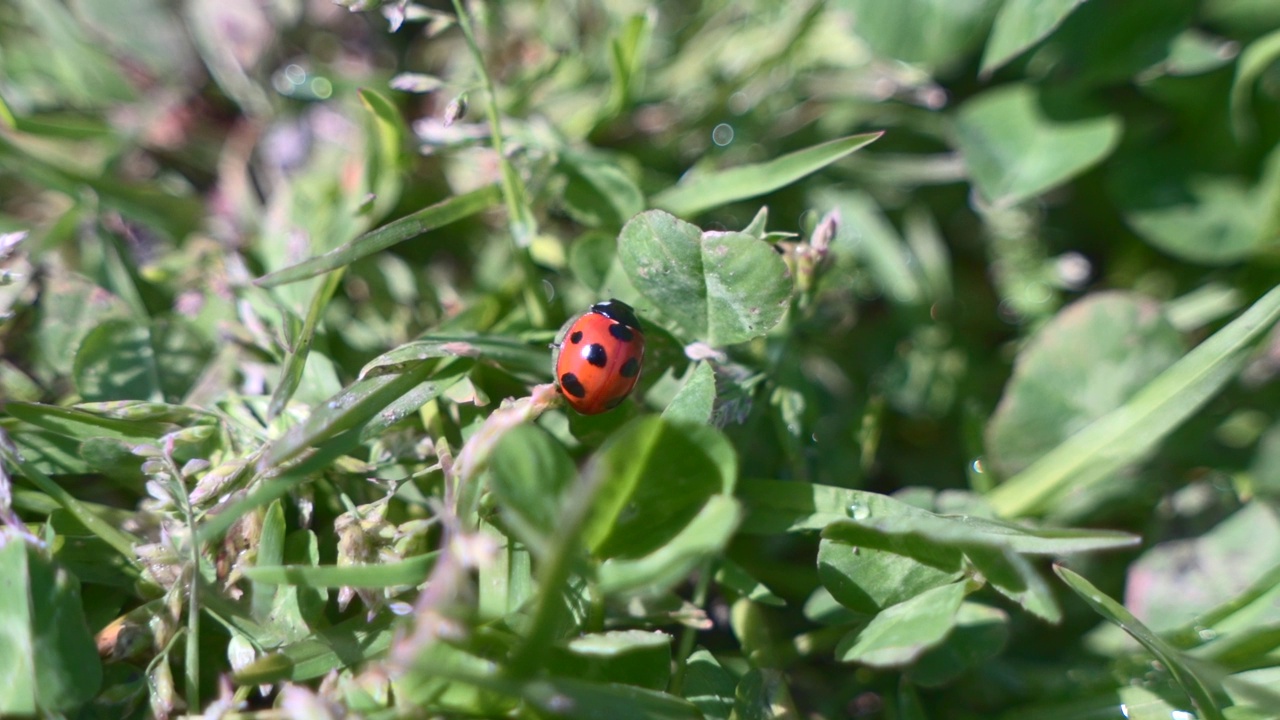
[(596, 355), (630, 368), (570, 384), (576, 337), (621, 332)]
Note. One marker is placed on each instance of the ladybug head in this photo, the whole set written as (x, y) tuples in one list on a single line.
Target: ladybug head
[(618, 311)]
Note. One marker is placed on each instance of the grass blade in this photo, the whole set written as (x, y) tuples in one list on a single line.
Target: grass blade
[(705, 191), (1128, 432), (1165, 653), (405, 228)]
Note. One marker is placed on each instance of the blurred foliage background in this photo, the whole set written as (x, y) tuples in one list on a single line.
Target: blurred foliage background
[(969, 290)]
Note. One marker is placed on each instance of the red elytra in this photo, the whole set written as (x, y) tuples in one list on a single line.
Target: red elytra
[(600, 357)]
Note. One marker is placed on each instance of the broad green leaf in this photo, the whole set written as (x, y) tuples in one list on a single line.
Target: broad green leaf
[(778, 506), (708, 685), (979, 635), (952, 531), (529, 473), (1103, 44), (1016, 150), (723, 288), (762, 694), (582, 700), (1255, 688), (634, 657), (1130, 431), (591, 257), (1195, 212), (1191, 684), (1020, 24), (396, 231), (1088, 360), (731, 575), (347, 644), (901, 633), (696, 398), (704, 191), (1222, 565), (116, 361), (702, 537), (935, 35), (1014, 577), (868, 580), (658, 477), (598, 192)]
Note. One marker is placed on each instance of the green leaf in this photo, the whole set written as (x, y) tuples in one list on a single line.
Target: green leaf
[(731, 575), (116, 361), (935, 35), (1014, 577), (696, 399), (396, 231), (1261, 54), (1088, 360), (1196, 212), (529, 473), (296, 360), (1191, 684), (121, 541), (347, 644), (634, 657), (1224, 564), (980, 633), (901, 633), (778, 506), (352, 408), (47, 651), (1020, 24), (762, 694), (708, 685), (581, 700), (1015, 150), (704, 536), (865, 235), (965, 530), (519, 357), (1130, 431), (627, 51), (723, 288), (704, 191), (657, 477), (386, 135), (868, 580), (598, 192)]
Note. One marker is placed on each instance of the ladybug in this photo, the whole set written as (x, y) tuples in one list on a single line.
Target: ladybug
[(600, 357)]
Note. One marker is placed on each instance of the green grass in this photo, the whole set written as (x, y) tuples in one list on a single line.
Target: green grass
[(959, 396)]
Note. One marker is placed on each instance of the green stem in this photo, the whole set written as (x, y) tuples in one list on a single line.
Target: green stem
[(689, 635), (519, 215)]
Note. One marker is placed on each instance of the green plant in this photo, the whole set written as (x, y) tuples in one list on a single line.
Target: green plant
[(959, 319)]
